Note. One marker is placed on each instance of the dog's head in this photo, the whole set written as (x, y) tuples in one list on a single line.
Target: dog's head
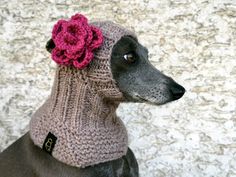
[(137, 78)]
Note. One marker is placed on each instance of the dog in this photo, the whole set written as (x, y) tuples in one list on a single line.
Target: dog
[(137, 79)]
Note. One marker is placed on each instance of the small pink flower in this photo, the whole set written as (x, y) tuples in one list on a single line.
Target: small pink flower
[(75, 41)]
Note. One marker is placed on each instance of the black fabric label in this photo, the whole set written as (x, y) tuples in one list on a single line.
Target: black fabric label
[(49, 143)]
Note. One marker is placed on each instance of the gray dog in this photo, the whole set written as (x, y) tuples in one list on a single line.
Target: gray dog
[(138, 80)]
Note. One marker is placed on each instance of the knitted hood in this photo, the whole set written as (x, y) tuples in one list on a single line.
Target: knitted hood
[(77, 124)]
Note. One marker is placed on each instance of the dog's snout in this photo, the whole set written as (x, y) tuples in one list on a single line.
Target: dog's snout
[(177, 91)]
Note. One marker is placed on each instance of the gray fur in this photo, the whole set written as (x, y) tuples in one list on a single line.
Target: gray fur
[(141, 81)]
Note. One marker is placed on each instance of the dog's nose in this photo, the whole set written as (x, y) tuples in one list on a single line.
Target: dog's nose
[(177, 91)]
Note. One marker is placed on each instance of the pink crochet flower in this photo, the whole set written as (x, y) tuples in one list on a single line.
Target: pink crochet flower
[(75, 41)]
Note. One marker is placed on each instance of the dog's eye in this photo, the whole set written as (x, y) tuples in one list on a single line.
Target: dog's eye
[(129, 57)]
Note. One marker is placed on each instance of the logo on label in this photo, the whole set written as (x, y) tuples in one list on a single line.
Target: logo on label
[(49, 143)]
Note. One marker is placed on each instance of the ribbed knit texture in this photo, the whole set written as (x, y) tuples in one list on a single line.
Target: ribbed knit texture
[(80, 111)]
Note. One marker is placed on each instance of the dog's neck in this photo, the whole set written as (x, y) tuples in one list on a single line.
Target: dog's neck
[(78, 105), (83, 121)]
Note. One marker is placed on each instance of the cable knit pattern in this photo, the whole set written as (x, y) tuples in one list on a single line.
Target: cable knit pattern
[(80, 111)]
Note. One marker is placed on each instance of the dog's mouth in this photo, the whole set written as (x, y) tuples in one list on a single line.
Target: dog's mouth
[(151, 101), (156, 98)]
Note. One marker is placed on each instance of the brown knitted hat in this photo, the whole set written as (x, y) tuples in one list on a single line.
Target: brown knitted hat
[(78, 124)]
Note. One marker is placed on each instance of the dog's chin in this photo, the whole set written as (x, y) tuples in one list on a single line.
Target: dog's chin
[(153, 101)]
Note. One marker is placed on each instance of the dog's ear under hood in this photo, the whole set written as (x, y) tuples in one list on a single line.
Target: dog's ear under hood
[(80, 111)]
